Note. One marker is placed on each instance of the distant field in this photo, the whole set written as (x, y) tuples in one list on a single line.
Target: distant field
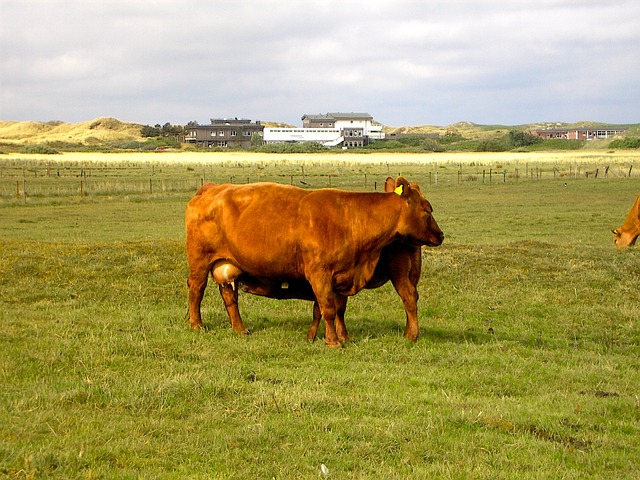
[(484, 158), (34, 177), (527, 365)]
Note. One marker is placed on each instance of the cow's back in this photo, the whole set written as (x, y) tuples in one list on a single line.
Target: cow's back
[(252, 225), (276, 231)]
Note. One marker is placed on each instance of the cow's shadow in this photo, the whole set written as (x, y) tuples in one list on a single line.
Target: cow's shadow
[(362, 329)]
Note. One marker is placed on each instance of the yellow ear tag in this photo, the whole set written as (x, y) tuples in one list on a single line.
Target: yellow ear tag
[(398, 190)]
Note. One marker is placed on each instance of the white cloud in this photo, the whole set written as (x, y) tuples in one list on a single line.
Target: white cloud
[(405, 62)]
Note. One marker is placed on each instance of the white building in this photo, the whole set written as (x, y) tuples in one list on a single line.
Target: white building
[(325, 136), (346, 129)]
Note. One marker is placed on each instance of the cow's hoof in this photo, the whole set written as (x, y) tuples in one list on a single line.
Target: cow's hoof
[(333, 344), (412, 337), (197, 326)]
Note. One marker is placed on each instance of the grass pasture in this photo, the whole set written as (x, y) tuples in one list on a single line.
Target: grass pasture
[(527, 365)]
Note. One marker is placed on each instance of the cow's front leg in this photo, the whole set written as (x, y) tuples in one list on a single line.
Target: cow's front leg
[(230, 297), (409, 295), (328, 312), (341, 327)]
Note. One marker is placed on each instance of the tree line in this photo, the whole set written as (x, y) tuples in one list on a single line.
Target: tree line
[(166, 130)]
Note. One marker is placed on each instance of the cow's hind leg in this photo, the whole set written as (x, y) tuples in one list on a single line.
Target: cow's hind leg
[(229, 294), (315, 323), (197, 283)]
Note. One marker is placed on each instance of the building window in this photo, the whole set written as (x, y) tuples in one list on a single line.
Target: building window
[(221, 133), (233, 133)]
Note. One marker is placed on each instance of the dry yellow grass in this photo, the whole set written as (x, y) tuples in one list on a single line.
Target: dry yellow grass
[(94, 131), (481, 158)]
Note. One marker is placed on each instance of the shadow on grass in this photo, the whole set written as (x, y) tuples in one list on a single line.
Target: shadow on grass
[(362, 329)]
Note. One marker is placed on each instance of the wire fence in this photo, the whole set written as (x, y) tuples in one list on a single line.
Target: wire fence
[(32, 179)]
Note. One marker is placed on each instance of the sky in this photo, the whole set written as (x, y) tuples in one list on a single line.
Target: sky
[(405, 62)]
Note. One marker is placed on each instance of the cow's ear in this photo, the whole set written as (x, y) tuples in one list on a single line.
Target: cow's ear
[(614, 231), (389, 185), (402, 186)]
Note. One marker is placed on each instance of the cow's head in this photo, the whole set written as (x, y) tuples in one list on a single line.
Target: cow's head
[(417, 225), (623, 238)]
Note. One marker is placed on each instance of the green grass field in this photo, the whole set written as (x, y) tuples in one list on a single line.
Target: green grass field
[(527, 365)]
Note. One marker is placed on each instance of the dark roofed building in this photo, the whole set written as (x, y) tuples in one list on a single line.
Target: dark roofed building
[(318, 121), (224, 133)]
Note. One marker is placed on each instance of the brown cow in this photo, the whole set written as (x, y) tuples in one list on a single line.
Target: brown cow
[(265, 233), (627, 234), (399, 262)]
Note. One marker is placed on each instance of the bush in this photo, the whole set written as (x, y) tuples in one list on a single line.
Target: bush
[(387, 145), (291, 147), (407, 144), (493, 145), (41, 149), (166, 130), (450, 138), (557, 144), (628, 142), (517, 139)]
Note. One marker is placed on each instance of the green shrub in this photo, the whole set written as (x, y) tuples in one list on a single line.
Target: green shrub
[(387, 145), (628, 142), (41, 149), (493, 145), (557, 144), (517, 139), (291, 147)]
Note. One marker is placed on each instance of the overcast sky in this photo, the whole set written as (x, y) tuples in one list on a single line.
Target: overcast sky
[(406, 62)]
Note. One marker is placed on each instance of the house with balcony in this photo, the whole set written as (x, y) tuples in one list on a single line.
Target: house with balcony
[(224, 133)]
